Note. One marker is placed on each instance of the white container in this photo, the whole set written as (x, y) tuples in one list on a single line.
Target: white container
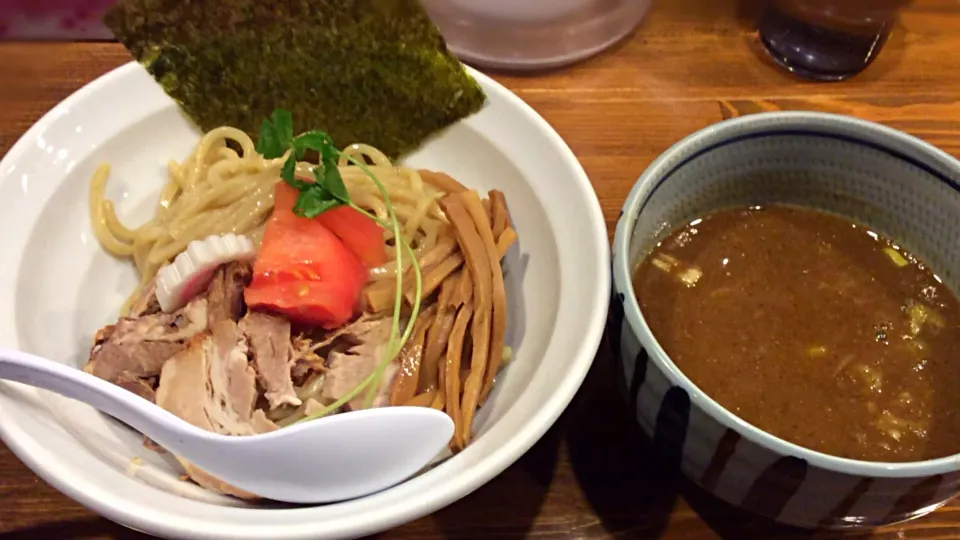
[(557, 279), (533, 34)]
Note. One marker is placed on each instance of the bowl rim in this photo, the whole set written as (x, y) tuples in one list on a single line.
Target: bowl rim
[(921, 152), (114, 506)]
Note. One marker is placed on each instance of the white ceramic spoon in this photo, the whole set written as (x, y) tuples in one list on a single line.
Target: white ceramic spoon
[(331, 459)]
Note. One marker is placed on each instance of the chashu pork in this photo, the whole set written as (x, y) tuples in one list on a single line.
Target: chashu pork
[(345, 370), (225, 292), (269, 337), (132, 352), (306, 350), (146, 302), (212, 385), (135, 349)]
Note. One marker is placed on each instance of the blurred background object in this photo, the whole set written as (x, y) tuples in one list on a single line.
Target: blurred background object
[(827, 40), (506, 34), (533, 34), (55, 20)]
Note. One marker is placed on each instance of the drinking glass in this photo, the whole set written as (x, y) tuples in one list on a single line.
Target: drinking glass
[(827, 40), (533, 34)]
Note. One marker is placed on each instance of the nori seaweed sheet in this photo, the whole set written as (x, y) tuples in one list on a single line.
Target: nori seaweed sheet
[(364, 71)]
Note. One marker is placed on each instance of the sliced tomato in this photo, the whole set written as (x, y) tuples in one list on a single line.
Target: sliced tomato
[(358, 232), (316, 303), (284, 197), (306, 273)]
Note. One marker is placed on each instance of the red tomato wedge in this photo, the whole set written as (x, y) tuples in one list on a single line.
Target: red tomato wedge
[(316, 303), (358, 232), (284, 197), (303, 271)]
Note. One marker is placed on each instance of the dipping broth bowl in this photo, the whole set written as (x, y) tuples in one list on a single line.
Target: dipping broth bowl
[(902, 187)]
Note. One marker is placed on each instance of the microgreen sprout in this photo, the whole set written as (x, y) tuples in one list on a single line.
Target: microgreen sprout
[(326, 192)]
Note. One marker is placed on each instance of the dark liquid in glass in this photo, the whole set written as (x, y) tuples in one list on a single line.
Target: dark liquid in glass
[(827, 40)]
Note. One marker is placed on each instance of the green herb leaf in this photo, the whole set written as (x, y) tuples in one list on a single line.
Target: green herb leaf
[(328, 190), (299, 184), (283, 122), (289, 169), (269, 144), (329, 177), (335, 185), (316, 140), (312, 203)]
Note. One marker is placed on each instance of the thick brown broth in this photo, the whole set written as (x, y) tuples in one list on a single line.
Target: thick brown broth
[(812, 328)]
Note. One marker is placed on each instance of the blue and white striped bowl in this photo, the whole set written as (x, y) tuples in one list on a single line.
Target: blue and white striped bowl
[(897, 184)]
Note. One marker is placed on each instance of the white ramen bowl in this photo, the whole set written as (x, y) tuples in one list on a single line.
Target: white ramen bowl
[(58, 288)]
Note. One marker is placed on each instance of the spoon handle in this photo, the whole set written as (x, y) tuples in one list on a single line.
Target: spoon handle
[(160, 425)]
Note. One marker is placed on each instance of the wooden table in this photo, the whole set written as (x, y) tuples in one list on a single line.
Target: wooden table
[(692, 63)]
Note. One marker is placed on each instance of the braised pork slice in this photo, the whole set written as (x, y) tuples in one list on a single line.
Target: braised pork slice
[(212, 385), (306, 349), (225, 292), (304, 358), (146, 302), (351, 332), (345, 370), (269, 337), (136, 348), (140, 387)]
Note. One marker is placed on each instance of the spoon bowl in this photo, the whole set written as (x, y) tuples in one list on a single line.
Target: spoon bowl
[(326, 460)]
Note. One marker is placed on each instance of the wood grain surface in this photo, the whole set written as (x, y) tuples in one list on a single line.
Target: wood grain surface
[(690, 64)]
